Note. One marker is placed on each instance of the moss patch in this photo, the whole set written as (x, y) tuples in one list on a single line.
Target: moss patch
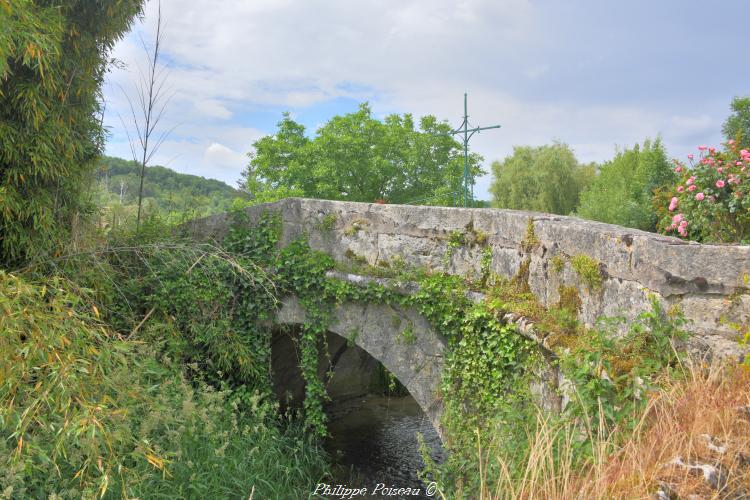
[(521, 279), (588, 271), (569, 299), (530, 240), (557, 264), (327, 223)]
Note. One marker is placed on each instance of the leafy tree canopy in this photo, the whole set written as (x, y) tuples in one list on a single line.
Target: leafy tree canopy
[(53, 56), (545, 179), (737, 125), (356, 157), (623, 192)]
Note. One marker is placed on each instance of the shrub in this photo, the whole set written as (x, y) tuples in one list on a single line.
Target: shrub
[(622, 192), (711, 202)]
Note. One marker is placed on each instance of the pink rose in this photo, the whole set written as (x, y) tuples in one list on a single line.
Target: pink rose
[(700, 196), (730, 142), (744, 152), (691, 188), (690, 156), (702, 148), (690, 181), (673, 203), (680, 189), (678, 169), (720, 183), (676, 219), (720, 170)]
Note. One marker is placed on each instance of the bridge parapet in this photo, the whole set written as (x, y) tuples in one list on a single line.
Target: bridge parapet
[(708, 282)]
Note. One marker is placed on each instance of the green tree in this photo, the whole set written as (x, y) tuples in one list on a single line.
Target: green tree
[(356, 157), (545, 179), (623, 192), (53, 57), (737, 125)]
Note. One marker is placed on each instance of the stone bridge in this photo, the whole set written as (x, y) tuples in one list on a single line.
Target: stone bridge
[(708, 282)]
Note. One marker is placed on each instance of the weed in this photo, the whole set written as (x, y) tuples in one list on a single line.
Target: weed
[(588, 271)]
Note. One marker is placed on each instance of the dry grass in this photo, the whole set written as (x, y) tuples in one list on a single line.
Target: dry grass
[(710, 401)]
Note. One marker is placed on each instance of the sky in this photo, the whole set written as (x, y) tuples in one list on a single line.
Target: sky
[(595, 74)]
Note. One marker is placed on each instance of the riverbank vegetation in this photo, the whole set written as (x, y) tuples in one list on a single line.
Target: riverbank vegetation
[(135, 361)]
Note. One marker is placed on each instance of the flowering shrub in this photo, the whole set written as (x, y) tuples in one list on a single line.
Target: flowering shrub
[(711, 203)]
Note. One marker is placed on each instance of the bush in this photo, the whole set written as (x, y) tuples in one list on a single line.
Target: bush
[(622, 192), (711, 202)]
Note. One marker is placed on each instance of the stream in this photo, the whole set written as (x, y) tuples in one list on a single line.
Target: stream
[(373, 440)]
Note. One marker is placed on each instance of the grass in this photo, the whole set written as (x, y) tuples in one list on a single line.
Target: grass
[(707, 401), (86, 412)]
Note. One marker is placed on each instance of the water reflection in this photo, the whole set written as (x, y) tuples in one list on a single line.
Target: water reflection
[(373, 440)]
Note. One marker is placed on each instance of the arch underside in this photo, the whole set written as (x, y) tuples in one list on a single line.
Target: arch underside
[(399, 338)]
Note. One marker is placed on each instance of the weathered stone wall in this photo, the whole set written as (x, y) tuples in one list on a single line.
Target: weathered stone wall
[(707, 281), (416, 360)]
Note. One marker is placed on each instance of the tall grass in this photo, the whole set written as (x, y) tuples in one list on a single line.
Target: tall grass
[(86, 412), (708, 405)]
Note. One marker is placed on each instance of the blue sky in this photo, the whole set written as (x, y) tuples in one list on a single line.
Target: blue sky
[(594, 74)]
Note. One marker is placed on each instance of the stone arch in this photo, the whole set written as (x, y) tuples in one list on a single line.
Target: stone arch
[(399, 338)]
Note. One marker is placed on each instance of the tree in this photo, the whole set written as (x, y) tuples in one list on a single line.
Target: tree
[(151, 103), (356, 157), (53, 57), (545, 179), (737, 125), (623, 192)]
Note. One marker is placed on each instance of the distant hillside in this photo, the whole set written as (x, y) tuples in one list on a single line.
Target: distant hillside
[(163, 188)]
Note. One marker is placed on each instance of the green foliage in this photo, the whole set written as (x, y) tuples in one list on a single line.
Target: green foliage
[(86, 412), (587, 270), (557, 263), (710, 202), (485, 265), (327, 223), (65, 380), (737, 124), (356, 157), (486, 368), (622, 193), (530, 240), (611, 373), (570, 300), (53, 57), (165, 192), (545, 179)]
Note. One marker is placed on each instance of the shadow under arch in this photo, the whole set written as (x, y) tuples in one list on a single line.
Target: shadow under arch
[(399, 338)]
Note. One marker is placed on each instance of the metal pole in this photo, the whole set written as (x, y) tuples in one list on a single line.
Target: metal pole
[(466, 152), (466, 192)]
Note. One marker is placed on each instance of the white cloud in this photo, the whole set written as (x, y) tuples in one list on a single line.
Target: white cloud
[(220, 156), (212, 108), (544, 71)]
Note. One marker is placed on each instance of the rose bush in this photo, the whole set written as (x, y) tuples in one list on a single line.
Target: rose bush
[(711, 203)]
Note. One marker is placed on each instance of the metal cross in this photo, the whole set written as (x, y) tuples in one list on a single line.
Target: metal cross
[(468, 192)]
